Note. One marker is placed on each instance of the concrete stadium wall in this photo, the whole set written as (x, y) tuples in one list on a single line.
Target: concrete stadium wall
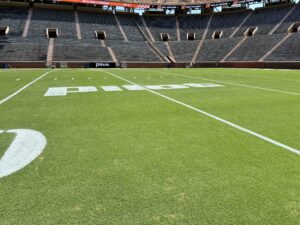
[(270, 65), (40, 64)]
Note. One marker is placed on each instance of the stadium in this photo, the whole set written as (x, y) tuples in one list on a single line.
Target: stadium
[(136, 112)]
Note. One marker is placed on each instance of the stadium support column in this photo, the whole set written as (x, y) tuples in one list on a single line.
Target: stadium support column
[(27, 24), (275, 47), (50, 52), (201, 41), (283, 19)]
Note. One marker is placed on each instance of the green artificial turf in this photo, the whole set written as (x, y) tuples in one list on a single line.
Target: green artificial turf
[(134, 157), (5, 140)]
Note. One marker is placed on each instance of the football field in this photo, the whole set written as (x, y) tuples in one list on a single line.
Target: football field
[(149, 146)]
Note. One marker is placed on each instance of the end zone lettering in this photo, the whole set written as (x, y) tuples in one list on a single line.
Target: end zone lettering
[(63, 91)]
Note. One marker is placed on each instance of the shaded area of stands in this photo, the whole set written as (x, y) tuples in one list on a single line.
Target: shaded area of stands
[(193, 23), (162, 47), (265, 19), (294, 17), (128, 23), (42, 19), (78, 50), (133, 51), (184, 50), (288, 51), (90, 22), (216, 50), (14, 18), (226, 22), (162, 24), (20, 49), (255, 47)]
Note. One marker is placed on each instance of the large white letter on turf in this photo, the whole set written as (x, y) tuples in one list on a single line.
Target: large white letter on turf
[(166, 86), (26, 147), (205, 85), (63, 91), (134, 87)]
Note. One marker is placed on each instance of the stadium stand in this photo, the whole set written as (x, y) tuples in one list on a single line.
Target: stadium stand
[(264, 19), (133, 51), (293, 17), (128, 37), (90, 51), (14, 18), (18, 49), (192, 23), (184, 50), (215, 50), (162, 24), (63, 21), (129, 25), (253, 48), (288, 51), (162, 47), (91, 22), (226, 22)]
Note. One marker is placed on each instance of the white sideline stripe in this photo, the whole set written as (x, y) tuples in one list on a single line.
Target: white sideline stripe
[(23, 88), (237, 84), (262, 137)]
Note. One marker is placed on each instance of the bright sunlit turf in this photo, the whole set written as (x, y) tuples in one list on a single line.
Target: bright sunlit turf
[(148, 156)]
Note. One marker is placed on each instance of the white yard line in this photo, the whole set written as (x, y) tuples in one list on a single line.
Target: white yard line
[(23, 88), (236, 84), (253, 133)]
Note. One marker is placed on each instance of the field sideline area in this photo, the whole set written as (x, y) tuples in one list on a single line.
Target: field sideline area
[(149, 146)]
